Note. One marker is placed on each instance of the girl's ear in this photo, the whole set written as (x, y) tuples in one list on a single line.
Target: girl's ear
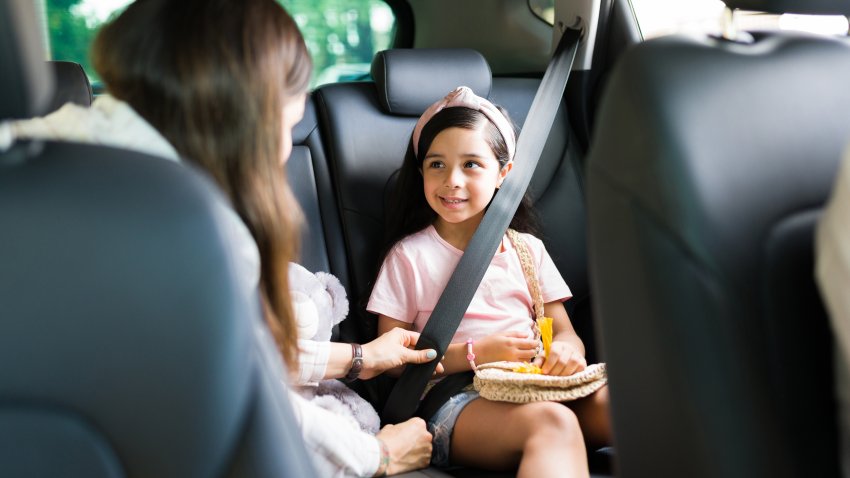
[(504, 172)]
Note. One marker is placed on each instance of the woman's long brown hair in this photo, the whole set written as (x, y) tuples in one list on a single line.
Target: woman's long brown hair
[(213, 76)]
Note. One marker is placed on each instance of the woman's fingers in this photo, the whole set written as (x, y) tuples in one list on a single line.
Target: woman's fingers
[(409, 445)]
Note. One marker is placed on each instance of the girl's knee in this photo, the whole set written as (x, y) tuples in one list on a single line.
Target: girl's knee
[(555, 413), (554, 419)]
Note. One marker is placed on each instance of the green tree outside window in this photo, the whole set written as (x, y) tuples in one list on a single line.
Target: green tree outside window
[(342, 35)]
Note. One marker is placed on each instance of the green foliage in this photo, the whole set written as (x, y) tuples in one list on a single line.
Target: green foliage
[(341, 31), (336, 31), (70, 35)]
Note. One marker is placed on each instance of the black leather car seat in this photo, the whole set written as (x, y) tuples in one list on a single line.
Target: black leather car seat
[(367, 126), (322, 246), (72, 85), (128, 348), (710, 164)]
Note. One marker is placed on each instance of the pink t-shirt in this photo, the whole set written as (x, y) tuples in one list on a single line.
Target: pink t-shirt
[(416, 271)]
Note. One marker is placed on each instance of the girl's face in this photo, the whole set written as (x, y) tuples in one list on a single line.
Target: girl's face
[(461, 174)]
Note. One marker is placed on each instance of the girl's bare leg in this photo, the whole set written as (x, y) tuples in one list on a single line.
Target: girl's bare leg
[(543, 438), (595, 418)]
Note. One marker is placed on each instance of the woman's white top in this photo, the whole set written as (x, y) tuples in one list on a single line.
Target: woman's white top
[(339, 448)]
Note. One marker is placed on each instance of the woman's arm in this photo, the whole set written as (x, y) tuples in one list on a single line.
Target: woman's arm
[(340, 448), (322, 360)]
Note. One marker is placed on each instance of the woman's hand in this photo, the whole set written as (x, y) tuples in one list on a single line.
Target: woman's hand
[(393, 349), (564, 359), (409, 445), (512, 346)]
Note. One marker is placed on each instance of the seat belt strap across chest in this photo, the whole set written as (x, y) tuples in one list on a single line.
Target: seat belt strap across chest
[(461, 287)]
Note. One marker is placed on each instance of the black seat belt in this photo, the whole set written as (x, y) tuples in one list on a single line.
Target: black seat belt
[(438, 332)]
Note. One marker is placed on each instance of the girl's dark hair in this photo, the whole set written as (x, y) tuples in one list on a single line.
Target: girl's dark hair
[(213, 76), (409, 211)]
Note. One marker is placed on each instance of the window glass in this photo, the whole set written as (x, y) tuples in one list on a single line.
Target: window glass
[(71, 26), (665, 17), (342, 35), (544, 9)]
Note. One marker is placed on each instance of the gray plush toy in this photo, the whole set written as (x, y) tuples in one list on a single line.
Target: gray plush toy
[(319, 303)]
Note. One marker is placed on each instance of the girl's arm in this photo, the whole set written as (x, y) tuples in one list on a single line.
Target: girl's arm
[(512, 346), (566, 356), (386, 324), (503, 346)]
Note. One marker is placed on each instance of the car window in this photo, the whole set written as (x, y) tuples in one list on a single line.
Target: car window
[(342, 35), (665, 17)]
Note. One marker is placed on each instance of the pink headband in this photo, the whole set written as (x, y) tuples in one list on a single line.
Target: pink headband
[(463, 96)]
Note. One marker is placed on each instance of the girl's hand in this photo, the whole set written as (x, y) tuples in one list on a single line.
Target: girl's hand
[(511, 346), (564, 359)]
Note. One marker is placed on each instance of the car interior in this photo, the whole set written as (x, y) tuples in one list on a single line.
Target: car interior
[(677, 192)]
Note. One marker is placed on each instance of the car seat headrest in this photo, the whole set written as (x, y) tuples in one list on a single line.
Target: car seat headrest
[(26, 85), (72, 85), (814, 7), (410, 80)]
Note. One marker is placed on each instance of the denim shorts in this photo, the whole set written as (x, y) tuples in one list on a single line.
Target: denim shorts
[(442, 424)]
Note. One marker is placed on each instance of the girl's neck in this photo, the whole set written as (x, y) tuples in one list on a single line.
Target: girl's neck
[(456, 234)]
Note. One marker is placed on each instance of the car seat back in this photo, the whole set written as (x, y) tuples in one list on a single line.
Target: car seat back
[(129, 348), (711, 162), (367, 127), (72, 85), (307, 171)]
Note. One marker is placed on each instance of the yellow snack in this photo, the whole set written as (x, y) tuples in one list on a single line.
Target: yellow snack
[(545, 324), (528, 368)]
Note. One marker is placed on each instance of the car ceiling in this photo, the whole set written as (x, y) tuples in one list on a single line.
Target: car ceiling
[(506, 32)]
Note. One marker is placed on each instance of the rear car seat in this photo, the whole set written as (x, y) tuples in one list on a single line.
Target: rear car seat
[(322, 246), (72, 85), (366, 127), (711, 163)]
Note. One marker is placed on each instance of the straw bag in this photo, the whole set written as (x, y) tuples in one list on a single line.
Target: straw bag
[(512, 381)]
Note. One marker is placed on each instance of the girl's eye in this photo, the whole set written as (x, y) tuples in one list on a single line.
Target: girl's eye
[(435, 165), (471, 164)]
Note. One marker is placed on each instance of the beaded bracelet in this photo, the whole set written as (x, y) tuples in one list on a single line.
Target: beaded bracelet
[(385, 459), (470, 355)]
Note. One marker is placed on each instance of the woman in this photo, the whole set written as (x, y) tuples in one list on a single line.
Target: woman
[(221, 83)]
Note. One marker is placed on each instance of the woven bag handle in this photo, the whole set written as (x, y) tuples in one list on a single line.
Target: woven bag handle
[(530, 273)]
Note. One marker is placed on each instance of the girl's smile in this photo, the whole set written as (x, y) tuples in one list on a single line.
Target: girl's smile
[(452, 202)]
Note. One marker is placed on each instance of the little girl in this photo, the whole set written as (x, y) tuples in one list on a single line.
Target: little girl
[(460, 153)]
